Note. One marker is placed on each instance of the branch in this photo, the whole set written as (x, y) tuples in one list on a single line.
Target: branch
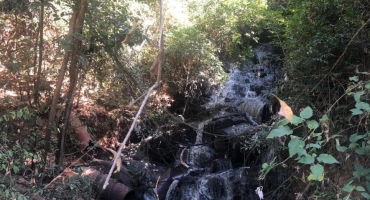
[(157, 84)]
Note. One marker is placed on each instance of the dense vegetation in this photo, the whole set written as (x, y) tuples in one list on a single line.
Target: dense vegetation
[(106, 50)]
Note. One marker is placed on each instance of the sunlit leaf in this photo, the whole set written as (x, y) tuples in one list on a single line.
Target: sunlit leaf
[(285, 110), (317, 173)]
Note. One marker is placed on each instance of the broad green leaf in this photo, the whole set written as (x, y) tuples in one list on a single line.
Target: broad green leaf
[(357, 95), (367, 86), (306, 159), (341, 148), (312, 124), (326, 158), (297, 120), (356, 111), (368, 185), (295, 145), (360, 188), (306, 113), (363, 106), (280, 131), (317, 173), (355, 137), (365, 195), (283, 122)]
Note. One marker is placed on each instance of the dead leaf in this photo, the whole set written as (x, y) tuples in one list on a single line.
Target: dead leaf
[(285, 110), (119, 161), (69, 173)]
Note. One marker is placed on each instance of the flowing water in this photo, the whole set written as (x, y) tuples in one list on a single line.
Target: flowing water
[(215, 167)]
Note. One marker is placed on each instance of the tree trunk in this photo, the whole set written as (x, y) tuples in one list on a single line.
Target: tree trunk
[(80, 7), (53, 108), (38, 78)]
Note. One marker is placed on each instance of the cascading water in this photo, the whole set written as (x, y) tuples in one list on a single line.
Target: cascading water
[(214, 167)]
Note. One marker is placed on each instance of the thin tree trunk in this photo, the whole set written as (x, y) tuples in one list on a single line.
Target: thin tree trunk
[(73, 74), (51, 124), (38, 78)]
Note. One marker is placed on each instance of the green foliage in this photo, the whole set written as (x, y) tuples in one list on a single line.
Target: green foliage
[(232, 25), (189, 55), (304, 148)]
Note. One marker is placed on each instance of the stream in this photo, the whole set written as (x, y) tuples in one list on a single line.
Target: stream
[(216, 159)]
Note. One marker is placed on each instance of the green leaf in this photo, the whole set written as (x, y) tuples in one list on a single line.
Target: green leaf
[(297, 120), (368, 185), (357, 96), (348, 187), (306, 113), (365, 195), (341, 148), (15, 169), (283, 122), (359, 168), (312, 145), (326, 158), (295, 145), (355, 137), (324, 118), (360, 188), (19, 113), (306, 159), (356, 111), (317, 173), (353, 78), (280, 131), (312, 124), (363, 106), (367, 86)]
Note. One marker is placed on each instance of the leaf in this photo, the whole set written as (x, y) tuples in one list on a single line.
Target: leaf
[(306, 113), (312, 145), (363, 106), (357, 96), (360, 188), (355, 137), (324, 118), (341, 148), (356, 111), (359, 168), (285, 110), (326, 158), (365, 195), (306, 159), (348, 187), (312, 124), (295, 145), (353, 78), (297, 120), (317, 173), (280, 131)]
